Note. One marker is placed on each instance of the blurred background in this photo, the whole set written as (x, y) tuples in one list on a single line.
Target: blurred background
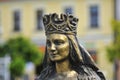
[(22, 37)]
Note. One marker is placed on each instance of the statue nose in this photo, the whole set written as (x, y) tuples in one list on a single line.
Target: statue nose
[(53, 48)]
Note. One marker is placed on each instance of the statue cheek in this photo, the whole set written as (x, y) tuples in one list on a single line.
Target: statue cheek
[(64, 50)]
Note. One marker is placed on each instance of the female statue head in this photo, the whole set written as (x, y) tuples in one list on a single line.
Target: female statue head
[(63, 52), (57, 47)]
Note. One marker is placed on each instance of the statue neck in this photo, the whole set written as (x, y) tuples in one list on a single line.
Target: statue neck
[(63, 66)]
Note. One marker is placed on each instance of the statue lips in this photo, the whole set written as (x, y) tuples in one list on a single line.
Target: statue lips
[(53, 54)]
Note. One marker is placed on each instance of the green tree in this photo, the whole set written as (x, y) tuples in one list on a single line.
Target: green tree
[(114, 49), (21, 50)]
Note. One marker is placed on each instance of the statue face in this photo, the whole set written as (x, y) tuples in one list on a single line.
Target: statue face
[(57, 47)]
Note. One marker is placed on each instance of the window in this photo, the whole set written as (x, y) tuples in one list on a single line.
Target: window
[(94, 16), (16, 20), (68, 10), (39, 19)]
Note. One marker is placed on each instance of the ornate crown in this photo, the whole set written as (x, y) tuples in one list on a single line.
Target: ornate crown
[(65, 24)]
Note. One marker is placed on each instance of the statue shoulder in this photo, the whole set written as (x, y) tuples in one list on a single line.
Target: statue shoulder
[(45, 73), (89, 74)]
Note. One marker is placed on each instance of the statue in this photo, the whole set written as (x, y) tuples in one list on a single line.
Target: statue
[(64, 58)]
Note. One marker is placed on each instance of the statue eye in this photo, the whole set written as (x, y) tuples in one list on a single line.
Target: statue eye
[(58, 42)]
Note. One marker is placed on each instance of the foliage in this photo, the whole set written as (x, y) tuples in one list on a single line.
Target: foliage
[(1, 50), (17, 67), (114, 49), (21, 51)]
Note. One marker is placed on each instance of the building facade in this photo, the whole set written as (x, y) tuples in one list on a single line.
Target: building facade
[(18, 17)]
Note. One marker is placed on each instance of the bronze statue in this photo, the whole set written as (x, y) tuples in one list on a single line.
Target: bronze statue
[(64, 58)]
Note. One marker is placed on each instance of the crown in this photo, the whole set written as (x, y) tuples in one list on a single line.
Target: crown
[(65, 24)]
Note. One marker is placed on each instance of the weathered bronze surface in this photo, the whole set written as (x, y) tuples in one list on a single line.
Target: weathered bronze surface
[(65, 58)]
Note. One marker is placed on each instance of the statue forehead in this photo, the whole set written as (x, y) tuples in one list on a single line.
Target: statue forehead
[(56, 36)]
